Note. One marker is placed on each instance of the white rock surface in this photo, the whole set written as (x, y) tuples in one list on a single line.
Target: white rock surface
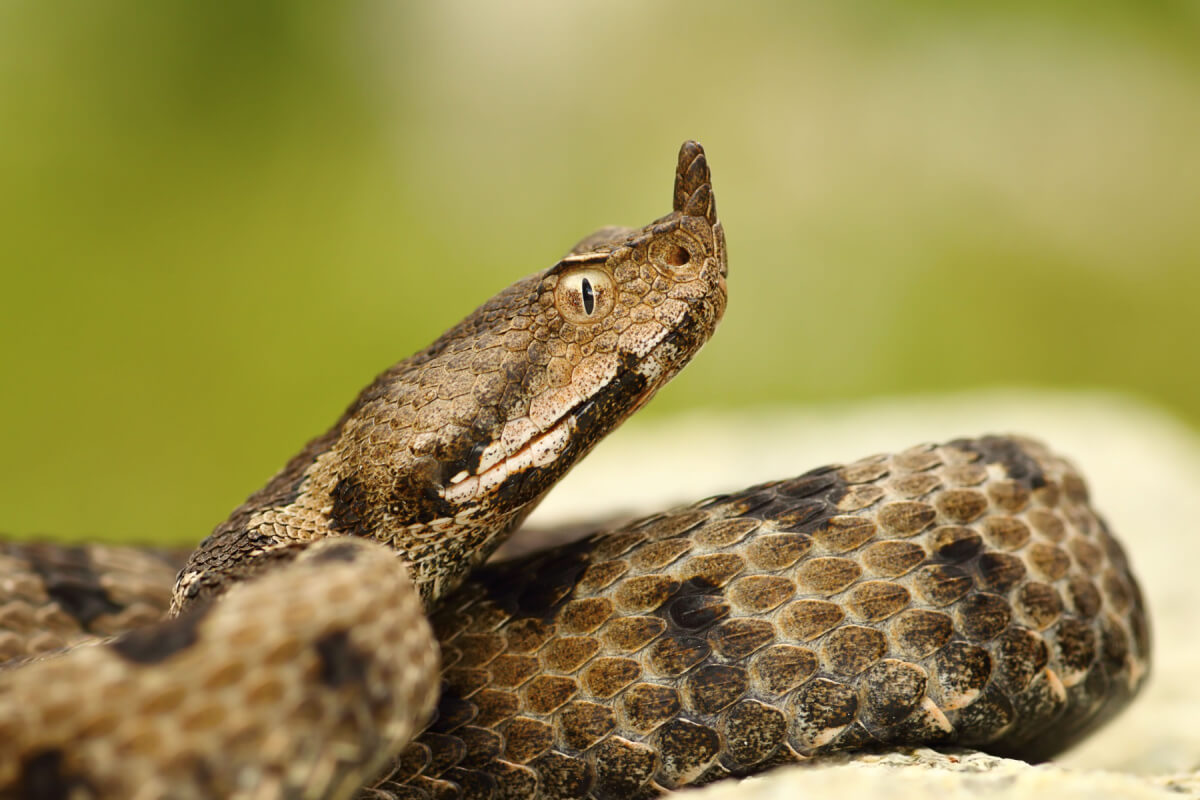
[(1144, 472), (924, 773)]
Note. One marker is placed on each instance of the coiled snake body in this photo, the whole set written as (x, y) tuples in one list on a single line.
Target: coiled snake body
[(964, 593)]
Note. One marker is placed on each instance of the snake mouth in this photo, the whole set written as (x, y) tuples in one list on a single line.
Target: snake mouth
[(541, 450), (568, 438), (573, 433)]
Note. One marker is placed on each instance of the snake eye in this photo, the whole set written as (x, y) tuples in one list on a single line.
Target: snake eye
[(589, 296), (584, 296)]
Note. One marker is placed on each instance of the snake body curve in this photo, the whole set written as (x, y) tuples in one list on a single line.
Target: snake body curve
[(959, 594), (965, 593)]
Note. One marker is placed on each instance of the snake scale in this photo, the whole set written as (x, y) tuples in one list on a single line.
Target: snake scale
[(964, 593)]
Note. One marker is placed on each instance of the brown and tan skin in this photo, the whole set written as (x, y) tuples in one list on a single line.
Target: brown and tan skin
[(436, 461), (446, 452), (963, 594), (957, 594)]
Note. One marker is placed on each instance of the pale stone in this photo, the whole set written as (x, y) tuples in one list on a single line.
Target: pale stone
[(921, 774)]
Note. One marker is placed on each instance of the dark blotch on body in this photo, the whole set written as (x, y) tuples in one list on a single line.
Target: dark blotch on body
[(72, 581), (536, 585), (343, 551), (156, 643), (695, 612), (555, 584), (341, 661), (351, 507), (291, 491), (1018, 464), (42, 777)]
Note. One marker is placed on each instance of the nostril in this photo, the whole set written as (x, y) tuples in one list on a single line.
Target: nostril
[(677, 256)]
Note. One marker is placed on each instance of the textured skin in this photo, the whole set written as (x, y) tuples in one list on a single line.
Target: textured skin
[(962, 594), (286, 690), (958, 594), (438, 460), (54, 596), (447, 451)]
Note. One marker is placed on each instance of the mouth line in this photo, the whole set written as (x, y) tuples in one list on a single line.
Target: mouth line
[(544, 448), (540, 451)]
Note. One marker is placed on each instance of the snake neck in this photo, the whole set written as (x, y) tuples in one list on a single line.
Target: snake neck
[(446, 452)]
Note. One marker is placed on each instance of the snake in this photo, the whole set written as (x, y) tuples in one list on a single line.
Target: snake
[(344, 633)]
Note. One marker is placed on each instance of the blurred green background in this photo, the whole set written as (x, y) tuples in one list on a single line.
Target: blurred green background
[(220, 219)]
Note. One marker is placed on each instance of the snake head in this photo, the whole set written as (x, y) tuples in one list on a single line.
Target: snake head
[(449, 450)]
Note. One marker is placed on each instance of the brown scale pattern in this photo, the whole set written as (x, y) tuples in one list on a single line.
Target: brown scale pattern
[(964, 593), (265, 689), (444, 454), (54, 596)]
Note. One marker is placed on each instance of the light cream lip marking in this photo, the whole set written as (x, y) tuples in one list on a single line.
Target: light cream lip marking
[(539, 452)]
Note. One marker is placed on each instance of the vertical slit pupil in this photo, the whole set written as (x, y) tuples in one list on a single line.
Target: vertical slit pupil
[(589, 299)]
